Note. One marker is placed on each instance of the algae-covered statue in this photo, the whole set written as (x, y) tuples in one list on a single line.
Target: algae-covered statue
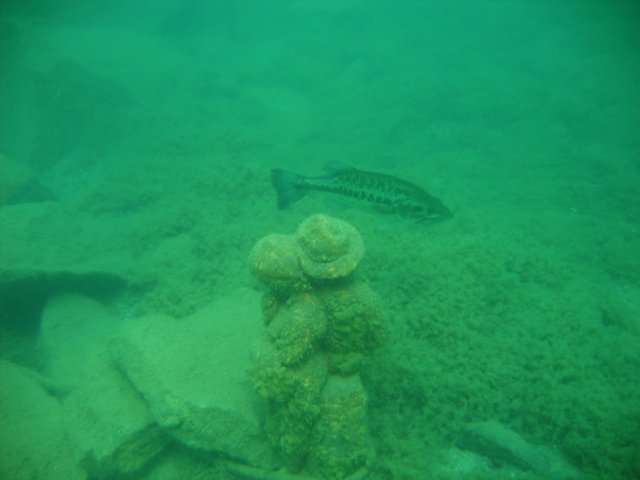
[(322, 321)]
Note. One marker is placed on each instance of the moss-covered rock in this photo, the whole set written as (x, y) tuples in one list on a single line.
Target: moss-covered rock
[(292, 396), (297, 328), (274, 261), (355, 321), (340, 444), (348, 363), (329, 248), (320, 318)]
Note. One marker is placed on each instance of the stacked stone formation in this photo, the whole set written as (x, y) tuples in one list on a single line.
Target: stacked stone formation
[(321, 324)]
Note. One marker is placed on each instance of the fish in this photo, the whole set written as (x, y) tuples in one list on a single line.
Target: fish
[(384, 193)]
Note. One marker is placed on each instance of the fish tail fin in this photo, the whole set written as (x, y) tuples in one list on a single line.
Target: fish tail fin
[(287, 187)]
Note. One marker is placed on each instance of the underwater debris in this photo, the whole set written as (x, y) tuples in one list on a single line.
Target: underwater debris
[(501, 446), (322, 322)]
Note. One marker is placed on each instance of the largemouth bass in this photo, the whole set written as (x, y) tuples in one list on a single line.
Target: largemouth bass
[(382, 192)]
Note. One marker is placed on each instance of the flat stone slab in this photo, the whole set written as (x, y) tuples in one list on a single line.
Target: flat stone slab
[(193, 374), (49, 237), (74, 336), (47, 248), (109, 425), (33, 441)]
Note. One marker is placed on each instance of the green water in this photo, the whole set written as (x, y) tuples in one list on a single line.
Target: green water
[(136, 143)]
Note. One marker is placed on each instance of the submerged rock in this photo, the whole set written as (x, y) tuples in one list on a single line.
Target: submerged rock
[(329, 248), (53, 249), (74, 335), (33, 441), (109, 425), (193, 375), (19, 185), (502, 446)]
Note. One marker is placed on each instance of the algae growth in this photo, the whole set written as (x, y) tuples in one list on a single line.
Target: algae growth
[(321, 327), (136, 146)]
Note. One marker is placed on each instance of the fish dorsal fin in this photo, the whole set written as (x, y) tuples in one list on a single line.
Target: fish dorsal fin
[(332, 167)]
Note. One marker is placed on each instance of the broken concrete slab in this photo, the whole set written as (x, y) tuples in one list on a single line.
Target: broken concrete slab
[(51, 237), (50, 248), (503, 446), (193, 374), (18, 184), (110, 427), (74, 335), (178, 463), (33, 441)]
